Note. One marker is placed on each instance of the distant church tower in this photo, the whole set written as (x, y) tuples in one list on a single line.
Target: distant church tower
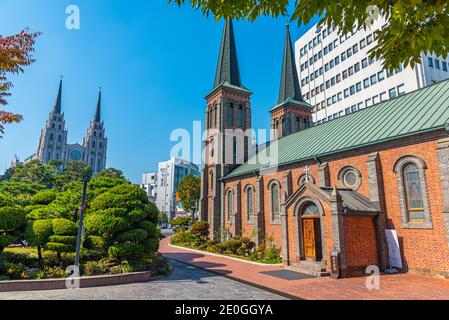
[(53, 137), (228, 107), (95, 142), (292, 113)]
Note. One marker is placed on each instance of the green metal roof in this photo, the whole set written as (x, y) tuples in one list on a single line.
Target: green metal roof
[(417, 112)]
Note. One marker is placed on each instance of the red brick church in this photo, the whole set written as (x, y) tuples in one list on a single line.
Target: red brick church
[(336, 187)]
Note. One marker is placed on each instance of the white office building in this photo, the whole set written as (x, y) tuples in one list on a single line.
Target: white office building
[(149, 184), (337, 76), (169, 176)]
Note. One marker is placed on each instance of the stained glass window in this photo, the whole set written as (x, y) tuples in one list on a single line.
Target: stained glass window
[(413, 193)]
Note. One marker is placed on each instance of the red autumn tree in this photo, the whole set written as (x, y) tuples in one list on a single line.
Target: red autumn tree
[(16, 52)]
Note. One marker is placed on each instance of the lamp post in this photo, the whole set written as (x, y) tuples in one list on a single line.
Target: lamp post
[(87, 174)]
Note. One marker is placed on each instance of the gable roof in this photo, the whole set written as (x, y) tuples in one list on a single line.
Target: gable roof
[(417, 112)]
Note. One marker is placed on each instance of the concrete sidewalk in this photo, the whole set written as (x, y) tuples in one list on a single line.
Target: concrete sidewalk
[(392, 287)]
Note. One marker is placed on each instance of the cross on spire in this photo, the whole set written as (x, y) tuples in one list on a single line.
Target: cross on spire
[(307, 170)]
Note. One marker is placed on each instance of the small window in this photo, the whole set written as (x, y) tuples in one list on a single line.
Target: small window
[(275, 202), (350, 178), (444, 65), (437, 64), (230, 204), (430, 60), (413, 193), (392, 93), (250, 204)]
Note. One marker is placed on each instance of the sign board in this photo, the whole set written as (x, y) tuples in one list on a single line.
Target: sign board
[(394, 250), (335, 264)]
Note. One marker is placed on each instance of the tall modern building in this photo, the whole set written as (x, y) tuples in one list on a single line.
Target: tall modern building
[(169, 175), (337, 76), (149, 184), (53, 139)]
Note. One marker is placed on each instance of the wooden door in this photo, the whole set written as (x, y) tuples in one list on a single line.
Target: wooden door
[(308, 230)]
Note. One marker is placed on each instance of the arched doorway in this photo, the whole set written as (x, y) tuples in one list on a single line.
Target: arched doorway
[(311, 232)]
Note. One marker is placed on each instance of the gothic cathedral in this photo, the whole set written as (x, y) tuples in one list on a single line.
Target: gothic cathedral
[(53, 140)]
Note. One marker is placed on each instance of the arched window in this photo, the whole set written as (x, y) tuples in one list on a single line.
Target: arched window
[(215, 116), (413, 200), (310, 209), (250, 204), (230, 205), (413, 193), (275, 202), (52, 137), (240, 117)]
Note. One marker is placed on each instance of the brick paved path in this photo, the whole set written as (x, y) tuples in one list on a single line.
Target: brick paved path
[(185, 283), (402, 286)]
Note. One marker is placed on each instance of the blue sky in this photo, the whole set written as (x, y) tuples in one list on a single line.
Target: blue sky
[(154, 61)]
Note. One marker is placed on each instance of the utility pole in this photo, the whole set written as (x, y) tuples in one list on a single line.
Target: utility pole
[(86, 177)]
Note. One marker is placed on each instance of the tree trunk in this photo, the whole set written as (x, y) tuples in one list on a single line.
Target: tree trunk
[(39, 253)]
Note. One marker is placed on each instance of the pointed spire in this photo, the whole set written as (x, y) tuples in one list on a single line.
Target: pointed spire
[(290, 88), (57, 108), (228, 66), (97, 117)]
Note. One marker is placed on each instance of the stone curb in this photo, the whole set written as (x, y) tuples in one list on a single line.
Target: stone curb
[(227, 257), (85, 282)]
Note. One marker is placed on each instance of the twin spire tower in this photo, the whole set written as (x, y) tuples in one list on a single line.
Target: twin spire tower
[(229, 110), (53, 139)]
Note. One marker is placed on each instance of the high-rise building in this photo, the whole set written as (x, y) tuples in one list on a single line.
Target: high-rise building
[(338, 77), (169, 175), (149, 184), (53, 139)]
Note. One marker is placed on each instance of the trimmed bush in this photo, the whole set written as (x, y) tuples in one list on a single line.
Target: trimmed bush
[(38, 232), (149, 227), (105, 225), (126, 250), (70, 240), (43, 197), (59, 247), (64, 227), (94, 242), (136, 235)]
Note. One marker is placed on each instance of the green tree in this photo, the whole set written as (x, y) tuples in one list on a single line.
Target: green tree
[(122, 222), (415, 26), (36, 172), (12, 225), (189, 191)]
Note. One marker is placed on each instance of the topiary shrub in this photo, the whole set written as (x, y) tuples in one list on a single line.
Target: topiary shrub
[(94, 243), (12, 225), (64, 227), (126, 221), (43, 197)]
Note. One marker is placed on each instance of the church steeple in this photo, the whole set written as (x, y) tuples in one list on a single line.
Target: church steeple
[(289, 80), (228, 66), (291, 114), (57, 107), (97, 117)]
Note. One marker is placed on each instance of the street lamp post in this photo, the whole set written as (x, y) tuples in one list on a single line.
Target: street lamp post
[(86, 177)]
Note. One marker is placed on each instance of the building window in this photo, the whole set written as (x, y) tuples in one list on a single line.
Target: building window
[(231, 115), (401, 90), (357, 67), (275, 203), (366, 83), (415, 211), (358, 86), (240, 117), (212, 181), (350, 177), (52, 137), (250, 204), (444, 65), (437, 64), (362, 43), (430, 59), (373, 79), (383, 96), (381, 76), (392, 93), (230, 205), (364, 63)]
